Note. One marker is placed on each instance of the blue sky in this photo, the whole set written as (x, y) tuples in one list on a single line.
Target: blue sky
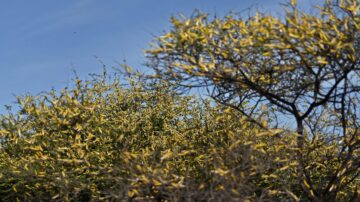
[(42, 40)]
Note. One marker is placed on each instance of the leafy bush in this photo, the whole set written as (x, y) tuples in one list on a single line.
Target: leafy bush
[(105, 141)]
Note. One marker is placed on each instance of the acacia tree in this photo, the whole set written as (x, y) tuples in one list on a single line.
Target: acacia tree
[(305, 66)]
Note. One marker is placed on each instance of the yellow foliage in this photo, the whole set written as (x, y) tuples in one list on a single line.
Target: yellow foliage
[(104, 140)]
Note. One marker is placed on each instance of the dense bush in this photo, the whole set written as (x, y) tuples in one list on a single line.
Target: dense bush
[(105, 141)]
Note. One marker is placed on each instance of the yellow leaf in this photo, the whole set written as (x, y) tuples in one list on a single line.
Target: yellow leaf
[(132, 193), (224, 54), (322, 61), (166, 154), (260, 145), (284, 168), (306, 184), (264, 124), (227, 110), (36, 148), (220, 172), (157, 183)]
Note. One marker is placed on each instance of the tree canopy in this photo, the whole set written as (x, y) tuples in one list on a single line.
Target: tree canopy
[(304, 66)]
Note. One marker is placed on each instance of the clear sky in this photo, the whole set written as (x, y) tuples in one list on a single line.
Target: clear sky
[(41, 41)]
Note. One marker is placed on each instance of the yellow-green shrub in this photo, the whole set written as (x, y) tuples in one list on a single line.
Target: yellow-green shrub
[(104, 141)]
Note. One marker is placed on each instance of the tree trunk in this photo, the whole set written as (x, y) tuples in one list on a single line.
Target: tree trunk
[(302, 176)]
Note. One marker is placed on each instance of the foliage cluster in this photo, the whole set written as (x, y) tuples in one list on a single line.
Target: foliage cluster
[(104, 141)]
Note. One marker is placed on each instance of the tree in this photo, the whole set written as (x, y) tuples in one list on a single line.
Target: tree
[(304, 66)]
